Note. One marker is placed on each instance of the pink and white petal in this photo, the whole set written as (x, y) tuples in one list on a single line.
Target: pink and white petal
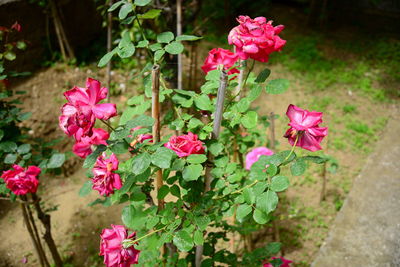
[(104, 111)]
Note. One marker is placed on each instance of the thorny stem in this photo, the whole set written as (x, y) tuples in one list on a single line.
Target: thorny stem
[(293, 147), (128, 243)]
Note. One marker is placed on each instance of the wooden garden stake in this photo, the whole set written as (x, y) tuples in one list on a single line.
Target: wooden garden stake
[(179, 32), (109, 46), (324, 177), (223, 82), (155, 113), (45, 219)]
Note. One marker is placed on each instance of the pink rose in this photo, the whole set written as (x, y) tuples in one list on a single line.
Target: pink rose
[(220, 56), (16, 26), (255, 154), (142, 137), (83, 147), (22, 181), (305, 125), (256, 38), (185, 145), (104, 179), (111, 247), (79, 114), (286, 263)]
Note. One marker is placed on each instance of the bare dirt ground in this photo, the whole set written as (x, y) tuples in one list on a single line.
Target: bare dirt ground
[(304, 220)]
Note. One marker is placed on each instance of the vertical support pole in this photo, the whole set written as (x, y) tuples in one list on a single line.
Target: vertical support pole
[(46, 221), (179, 32), (109, 43), (240, 80), (223, 82), (323, 190), (155, 113)]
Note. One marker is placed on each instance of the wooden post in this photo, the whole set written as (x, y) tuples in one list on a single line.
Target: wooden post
[(179, 32), (155, 113), (109, 44), (223, 82), (324, 177), (46, 221)]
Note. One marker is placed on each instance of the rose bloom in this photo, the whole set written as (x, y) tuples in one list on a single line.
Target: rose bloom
[(305, 125), (79, 114), (111, 247), (104, 179), (255, 154), (83, 147), (286, 263), (220, 56), (142, 137), (22, 181), (185, 145), (256, 38)]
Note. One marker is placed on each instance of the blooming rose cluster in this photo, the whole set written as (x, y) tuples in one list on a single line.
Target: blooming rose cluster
[(185, 145), (22, 181), (79, 115), (112, 248), (304, 128)]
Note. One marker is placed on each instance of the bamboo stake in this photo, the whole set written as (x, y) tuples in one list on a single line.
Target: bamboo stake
[(324, 177), (155, 113), (179, 32), (46, 221), (109, 44), (223, 82), (30, 231)]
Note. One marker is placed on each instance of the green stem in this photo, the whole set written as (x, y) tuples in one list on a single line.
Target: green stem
[(127, 243), (293, 147), (248, 74), (238, 191), (108, 125)]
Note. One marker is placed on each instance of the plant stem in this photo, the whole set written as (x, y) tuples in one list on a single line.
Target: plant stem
[(248, 74), (129, 243), (293, 147)]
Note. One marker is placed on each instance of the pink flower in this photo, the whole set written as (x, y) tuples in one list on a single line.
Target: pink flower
[(255, 154), (142, 137), (220, 56), (21, 181), (185, 145), (286, 263), (79, 114), (16, 26), (111, 247), (256, 38), (105, 180), (83, 147), (305, 125)]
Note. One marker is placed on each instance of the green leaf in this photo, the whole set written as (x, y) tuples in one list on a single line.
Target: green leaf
[(140, 163), (125, 10), (260, 217), (202, 222), (91, 159), (10, 158), (21, 45), (242, 211), (277, 86), (162, 192), (24, 148), (155, 47), (1, 134), (316, 159), (126, 47), (248, 196), (119, 147), (194, 123), (151, 14), (273, 248), (56, 161), (165, 37), (298, 167), (128, 213), (174, 48), (85, 189), (115, 6), (159, 54), (9, 55), (107, 57), (8, 146), (162, 157), (192, 172), (183, 241), (216, 148), (196, 158), (272, 169), (175, 191), (24, 116), (243, 105), (203, 102), (142, 120), (249, 120), (267, 201), (142, 2), (198, 238), (187, 38), (279, 183), (142, 44), (263, 75)]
